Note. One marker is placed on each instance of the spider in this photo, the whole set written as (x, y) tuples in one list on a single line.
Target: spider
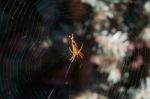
[(75, 51)]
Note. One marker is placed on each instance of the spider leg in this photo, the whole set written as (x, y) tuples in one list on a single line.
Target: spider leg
[(81, 55), (71, 58), (70, 50), (72, 54), (79, 52), (72, 36), (80, 48)]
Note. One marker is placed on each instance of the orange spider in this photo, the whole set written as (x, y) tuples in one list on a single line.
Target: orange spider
[(76, 52)]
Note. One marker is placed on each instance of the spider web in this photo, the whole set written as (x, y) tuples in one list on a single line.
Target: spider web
[(30, 41), (20, 49), (25, 43)]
